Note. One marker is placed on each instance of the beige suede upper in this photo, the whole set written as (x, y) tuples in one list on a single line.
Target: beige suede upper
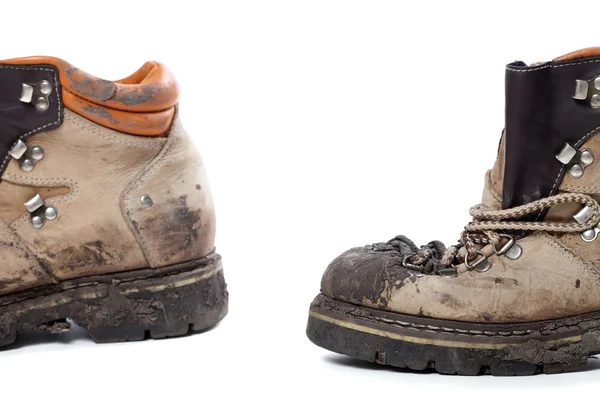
[(95, 178), (548, 281)]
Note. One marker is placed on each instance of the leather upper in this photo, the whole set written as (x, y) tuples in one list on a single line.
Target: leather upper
[(95, 178)]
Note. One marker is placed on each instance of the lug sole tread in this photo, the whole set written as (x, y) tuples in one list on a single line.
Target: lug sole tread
[(332, 335)]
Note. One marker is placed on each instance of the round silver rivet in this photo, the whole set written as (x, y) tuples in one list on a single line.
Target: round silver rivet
[(50, 213), (587, 157), (41, 103), (595, 101), (589, 235), (27, 165), (576, 171), (146, 201), (597, 83), (514, 253), (37, 153), (37, 222), (45, 87)]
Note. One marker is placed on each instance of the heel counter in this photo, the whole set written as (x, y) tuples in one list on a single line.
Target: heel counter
[(169, 207)]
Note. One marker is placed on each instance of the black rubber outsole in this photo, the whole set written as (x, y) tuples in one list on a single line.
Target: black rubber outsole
[(128, 306), (450, 347)]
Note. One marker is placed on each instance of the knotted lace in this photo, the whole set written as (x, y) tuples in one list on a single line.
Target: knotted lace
[(487, 227)]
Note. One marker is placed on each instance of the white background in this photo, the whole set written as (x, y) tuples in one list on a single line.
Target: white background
[(324, 125)]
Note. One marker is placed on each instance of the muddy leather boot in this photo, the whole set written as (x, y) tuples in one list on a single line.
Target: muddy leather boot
[(106, 214), (520, 293)]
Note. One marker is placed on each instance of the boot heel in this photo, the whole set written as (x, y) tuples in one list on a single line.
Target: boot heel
[(167, 306), (134, 305)]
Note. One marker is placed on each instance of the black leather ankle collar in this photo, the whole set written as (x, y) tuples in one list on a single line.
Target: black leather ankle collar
[(542, 116), (19, 119)]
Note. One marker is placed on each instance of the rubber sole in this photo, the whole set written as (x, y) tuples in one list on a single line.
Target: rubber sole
[(453, 347), (127, 306)]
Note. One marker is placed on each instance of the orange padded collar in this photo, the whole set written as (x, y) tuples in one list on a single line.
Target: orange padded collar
[(582, 53), (141, 104)]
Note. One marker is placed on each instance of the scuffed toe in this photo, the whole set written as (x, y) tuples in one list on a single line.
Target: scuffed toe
[(365, 275)]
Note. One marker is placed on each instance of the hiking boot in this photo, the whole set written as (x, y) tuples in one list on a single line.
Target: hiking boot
[(520, 293), (106, 214)]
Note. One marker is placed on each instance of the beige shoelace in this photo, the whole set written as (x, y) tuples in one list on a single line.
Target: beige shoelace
[(487, 227)]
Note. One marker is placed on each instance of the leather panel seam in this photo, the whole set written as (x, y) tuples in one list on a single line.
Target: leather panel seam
[(561, 173), (550, 66), (44, 182), (148, 141), (10, 235), (157, 163), (557, 245)]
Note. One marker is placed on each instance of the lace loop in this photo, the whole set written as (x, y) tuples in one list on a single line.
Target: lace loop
[(489, 227)]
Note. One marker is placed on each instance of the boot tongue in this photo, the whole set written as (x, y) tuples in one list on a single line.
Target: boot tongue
[(542, 115)]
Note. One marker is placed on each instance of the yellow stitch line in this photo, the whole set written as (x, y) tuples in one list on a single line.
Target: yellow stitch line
[(176, 284), (65, 300), (95, 295), (432, 342)]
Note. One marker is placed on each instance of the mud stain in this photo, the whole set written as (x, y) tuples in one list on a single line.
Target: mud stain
[(93, 253), (102, 113), (87, 85), (177, 229)]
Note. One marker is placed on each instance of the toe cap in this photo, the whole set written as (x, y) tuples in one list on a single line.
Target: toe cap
[(365, 275)]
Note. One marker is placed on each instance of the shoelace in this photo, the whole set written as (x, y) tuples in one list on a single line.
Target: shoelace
[(487, 227)]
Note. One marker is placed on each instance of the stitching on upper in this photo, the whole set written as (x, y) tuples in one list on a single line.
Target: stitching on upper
[(550, 66), (569, 254), (575, 188), (586, 136), (560, 172), (462, 332), (151, 142), (44, 182), (488, 185), (40, 273), (551, 189), (59, 102), (158, 162)]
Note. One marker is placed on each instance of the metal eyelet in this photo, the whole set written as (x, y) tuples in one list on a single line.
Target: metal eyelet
[(481, 264), (589, 91), (449, 271), (507, 246), (415, 270), (37, 94), (590, 235), (583, 216), (39, 212), (510, 249), (27, 156), (575, 160)]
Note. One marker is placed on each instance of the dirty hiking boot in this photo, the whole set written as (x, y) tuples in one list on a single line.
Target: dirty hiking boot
[(520, 293), (106, 214)]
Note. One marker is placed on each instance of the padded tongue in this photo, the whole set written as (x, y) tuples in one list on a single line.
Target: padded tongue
[(582, 53)]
